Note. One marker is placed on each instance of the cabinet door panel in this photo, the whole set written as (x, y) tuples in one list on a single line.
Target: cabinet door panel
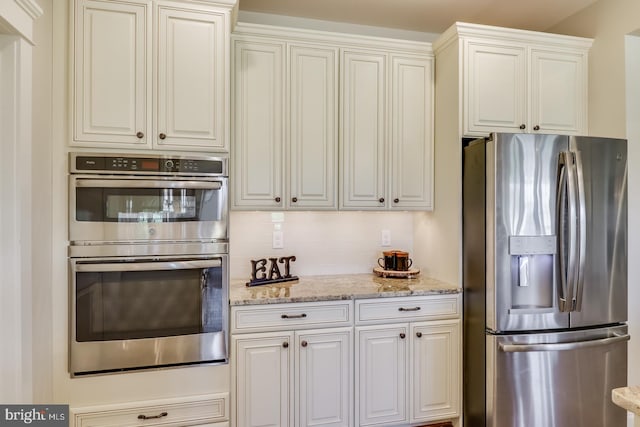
[(435, 379), (558, 92), (495, 82), (325, 378), (264, 378), (313, 139), (112, 61), (191, 61), (412, 130), (362, 168), (258, 139), (381, 377)]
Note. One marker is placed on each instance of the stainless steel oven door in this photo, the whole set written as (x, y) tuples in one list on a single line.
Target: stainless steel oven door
[(146, 209), (131, 313)]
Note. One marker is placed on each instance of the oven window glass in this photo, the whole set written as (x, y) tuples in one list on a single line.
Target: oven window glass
[(148, 304), (147, 205)]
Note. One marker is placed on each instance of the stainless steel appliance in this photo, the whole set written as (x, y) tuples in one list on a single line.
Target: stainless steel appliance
[(545, 280), (148, 261)]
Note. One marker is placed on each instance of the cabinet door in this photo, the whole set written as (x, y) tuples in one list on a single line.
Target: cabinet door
[(558, 92), (325, 378), (495, 89), (258, 138), (412, 133), (112, 74), (381, 376), (363, 138), (191, 87), (263, 380), (313, 138), (435, 376)]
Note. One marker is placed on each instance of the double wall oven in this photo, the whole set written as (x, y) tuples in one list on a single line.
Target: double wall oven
[(148, 254)]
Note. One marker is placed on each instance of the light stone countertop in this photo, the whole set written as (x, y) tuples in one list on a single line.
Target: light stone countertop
[(627, 398), (336, 287)]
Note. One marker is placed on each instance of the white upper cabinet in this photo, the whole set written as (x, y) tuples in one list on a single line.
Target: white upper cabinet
[(257, 152), (411, 176), (151, 74), (313, 127), (112, 48), (519, 81), (355, 125), (364, 129), (285, 125), (387, 131)]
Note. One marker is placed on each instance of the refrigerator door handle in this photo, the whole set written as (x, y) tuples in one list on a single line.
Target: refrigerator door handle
[(561, 220), (518, 348), (582, 232)]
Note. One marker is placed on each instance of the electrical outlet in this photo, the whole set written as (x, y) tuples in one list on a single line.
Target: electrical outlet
[(385, 238), (278, 239)]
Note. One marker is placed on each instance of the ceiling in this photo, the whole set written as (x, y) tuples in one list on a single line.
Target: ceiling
[(429, 16)]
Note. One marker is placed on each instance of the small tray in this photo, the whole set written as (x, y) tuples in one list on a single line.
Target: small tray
[(408, 274)]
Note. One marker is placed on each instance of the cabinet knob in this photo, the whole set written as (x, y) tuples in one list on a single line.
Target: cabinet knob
[(523, 127), (536, 127), (418, 334), (402, 335), (381, 199), (162, 136), (396, 200), (277, 199), (140, 135), (285, 344), (303, 343), (294, 199)]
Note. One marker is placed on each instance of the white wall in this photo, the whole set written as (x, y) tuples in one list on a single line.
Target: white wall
[(609, 22), (323, 242)]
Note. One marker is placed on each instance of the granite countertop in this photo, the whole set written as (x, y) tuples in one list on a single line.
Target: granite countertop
[(627, 398), (336, 287)]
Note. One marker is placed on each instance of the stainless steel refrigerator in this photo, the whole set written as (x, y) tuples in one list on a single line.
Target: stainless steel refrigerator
[(545, 280)]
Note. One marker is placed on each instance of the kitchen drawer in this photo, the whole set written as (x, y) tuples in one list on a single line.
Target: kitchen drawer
[(384, 310), (276, 317), (193, 411)]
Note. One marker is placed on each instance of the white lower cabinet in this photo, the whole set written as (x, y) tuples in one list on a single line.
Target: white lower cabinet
[(408, 366), (197, 411), (297, 364), (297, 376)]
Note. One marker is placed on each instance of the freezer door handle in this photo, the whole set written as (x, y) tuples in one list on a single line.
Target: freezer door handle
[(519, 348)]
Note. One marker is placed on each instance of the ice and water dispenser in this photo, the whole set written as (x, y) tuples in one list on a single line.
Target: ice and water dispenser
[(532, 274)]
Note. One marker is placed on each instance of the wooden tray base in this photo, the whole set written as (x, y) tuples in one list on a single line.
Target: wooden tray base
[(412, 272)]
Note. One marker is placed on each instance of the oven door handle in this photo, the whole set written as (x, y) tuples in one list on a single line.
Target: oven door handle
[(140, 183), (148, 266)]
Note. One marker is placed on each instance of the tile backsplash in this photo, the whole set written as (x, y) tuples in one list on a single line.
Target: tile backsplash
[(323, 242)]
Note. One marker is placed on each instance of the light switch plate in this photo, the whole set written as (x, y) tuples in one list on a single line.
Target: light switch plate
[(385, 238)]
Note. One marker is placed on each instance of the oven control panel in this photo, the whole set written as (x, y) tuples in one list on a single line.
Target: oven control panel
[(155, 165)]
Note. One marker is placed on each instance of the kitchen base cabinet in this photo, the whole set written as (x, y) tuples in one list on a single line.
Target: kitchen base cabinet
[(198, 411), (408, 364), (295, 376)]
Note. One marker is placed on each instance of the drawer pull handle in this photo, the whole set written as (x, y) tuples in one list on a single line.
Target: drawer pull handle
[(409, 309), (294, 316), (419, 334), (304, 343), (152, 417), (285, 344), (402, 335)]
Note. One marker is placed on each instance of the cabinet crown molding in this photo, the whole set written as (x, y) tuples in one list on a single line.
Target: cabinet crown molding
[(292, 34), (463, 29), (31, 8)]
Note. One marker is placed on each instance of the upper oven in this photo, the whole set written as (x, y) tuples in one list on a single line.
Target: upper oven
[(147, 199)]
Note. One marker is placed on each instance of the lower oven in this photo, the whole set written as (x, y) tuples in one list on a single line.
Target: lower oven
[(147, 312)]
